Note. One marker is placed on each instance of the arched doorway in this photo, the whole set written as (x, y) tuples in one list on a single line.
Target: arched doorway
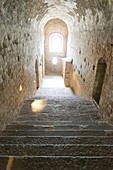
[(99, 79), (55, 46)]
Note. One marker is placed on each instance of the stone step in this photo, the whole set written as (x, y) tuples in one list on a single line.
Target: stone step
[(56, 133), (58, 106), (61, 102), (36, 122), (56, 140), (82, 123), (57, 163), (58, 117), (57, 127), (58, 98), (69, 100), (62, 113), (58, 112), (56, 150), (64, 109)]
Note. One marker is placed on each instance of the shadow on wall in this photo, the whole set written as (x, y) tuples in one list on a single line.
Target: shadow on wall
[(99, 79), (75, 84), (37, 74)]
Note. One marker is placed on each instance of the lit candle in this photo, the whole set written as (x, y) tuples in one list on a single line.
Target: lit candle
[(20, 88)]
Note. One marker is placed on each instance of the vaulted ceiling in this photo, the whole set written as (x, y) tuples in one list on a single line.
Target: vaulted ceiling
[(31, 9)]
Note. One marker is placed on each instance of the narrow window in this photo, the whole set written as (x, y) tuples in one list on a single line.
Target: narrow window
[(56, 43), (54, 61)]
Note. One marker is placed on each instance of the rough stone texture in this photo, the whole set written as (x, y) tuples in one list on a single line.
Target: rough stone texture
[(90, 25), (58, 137), (55, 163), (56, 150), (17, 58), (91, 42)]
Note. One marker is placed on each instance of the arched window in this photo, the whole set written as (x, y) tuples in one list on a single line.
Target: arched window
[(56, 43)]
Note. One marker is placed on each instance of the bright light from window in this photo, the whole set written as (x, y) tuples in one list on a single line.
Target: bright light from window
[(56, 43), (54, 60)]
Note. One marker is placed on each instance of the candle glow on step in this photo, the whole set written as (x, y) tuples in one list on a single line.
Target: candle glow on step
[(38, 105), (10, 163)]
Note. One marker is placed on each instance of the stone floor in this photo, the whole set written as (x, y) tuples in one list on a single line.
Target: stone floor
[(53, 82), (67, 134)]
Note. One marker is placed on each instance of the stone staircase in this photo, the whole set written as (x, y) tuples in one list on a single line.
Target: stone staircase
[(68, 134)]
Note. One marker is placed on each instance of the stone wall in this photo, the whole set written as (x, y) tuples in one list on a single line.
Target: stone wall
[(17, 67), (67, 67), (55, 26), (92, 41)]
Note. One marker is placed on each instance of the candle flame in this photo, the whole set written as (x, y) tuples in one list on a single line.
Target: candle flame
[(20, 88)]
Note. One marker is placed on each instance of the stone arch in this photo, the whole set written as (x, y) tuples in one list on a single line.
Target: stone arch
[(52, 27), (99, 79)]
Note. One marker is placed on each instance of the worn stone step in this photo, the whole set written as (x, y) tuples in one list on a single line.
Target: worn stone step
[(61, 109), (57, 127), (56, 163), (57, 108), (61, 106), (47, 117), (55, 111), (36, 122), (73, 101), (58, 118), (43, 114), (56, 150), (49, 104), (69, 100), (56, 133), (56, 140)]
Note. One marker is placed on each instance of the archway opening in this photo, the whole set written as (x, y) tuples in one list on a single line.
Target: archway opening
[(99, 79), (55, 46)]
